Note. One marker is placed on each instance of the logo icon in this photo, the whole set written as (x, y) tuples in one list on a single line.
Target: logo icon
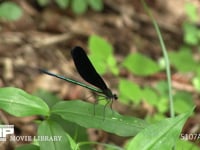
[(6, 130)]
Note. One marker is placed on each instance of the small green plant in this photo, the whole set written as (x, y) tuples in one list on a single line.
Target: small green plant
[(61, 113), (19, 103)]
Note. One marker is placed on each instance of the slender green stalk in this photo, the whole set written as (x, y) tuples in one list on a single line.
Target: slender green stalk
[(166, 58)]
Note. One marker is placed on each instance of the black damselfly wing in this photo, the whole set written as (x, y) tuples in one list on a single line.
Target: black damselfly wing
[(86, 69)]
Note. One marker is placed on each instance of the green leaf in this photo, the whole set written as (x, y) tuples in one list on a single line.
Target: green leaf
[(72, 129), (184, 145), (96, 4), (162, 105), (112, 64), (183, 60), (52, 129), (43, 2), (155, 118), (191, 11), (19, 103), (99, 46), (102, 55), (103, 63), (99, 63), (162, 88), (129, 91), (140, 64), (79, 6), (82, 113), (49, 98), (10, 11), (161, 135), (73, 144), (150, 96), (183, 102), (28, 147), (191, 34), (62, 3), (196, 83)]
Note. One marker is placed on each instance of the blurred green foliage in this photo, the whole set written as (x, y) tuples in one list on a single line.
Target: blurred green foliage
[(129, 91), (10, 11), (140, 64), (101, 55), (190, 26), (183, 60), (77, 6)]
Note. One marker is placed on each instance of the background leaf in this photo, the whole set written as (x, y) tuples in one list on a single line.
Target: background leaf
[(191, 11), (48, 97), (99, 46), (62, 3), (191, 34), (79, 6), (183, 60), (96, 4), (43, 2), (10, 11), (183, 102), (140, 65), (129, 91), (102, 55)]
